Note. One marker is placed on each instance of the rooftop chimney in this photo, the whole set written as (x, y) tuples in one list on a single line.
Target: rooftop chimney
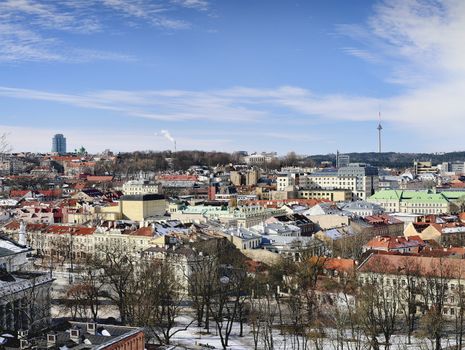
[(91, 328), (75, 334), (51, 339)]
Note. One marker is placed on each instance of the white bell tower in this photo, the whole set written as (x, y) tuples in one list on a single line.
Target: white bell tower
[(22, 234)]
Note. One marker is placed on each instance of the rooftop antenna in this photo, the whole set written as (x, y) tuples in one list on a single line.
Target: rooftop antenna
[(379, 132)]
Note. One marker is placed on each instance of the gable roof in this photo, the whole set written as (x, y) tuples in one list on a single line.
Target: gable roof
[(423, 266)]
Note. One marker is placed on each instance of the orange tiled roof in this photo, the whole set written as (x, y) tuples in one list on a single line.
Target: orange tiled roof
[(80, 164), (462, 217), (14, 226), (279, 202), (74, 230), (382, 219), (97, 178), (143, 231), (390, 243), (339, 264), (424, 266)]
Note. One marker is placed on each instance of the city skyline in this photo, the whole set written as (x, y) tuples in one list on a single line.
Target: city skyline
[(278, 76)]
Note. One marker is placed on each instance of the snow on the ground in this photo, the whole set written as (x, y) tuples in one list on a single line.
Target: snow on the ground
[(195, 338)]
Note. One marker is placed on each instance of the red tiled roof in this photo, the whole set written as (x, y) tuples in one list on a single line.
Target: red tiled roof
[(14, 226), (65, 158), (424, 266), (462, 217), (443, 252), (18, 193), (80, 164), (95, 178), (70, 202), (29, 203), (143, 231), (382, 219), (339, 264), (45, 193), (80, 186), (279, 202), (177, 178), (74, 230), (389, 243)]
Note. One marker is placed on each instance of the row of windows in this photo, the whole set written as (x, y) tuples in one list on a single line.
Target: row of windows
[(403, 282)]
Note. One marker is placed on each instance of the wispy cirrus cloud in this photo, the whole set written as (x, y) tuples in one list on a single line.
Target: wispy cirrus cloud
[(49, 15), (419, 110), (202, 5), (360, 53), (35, 30), (156, 14), (420, 45), (419, 40)]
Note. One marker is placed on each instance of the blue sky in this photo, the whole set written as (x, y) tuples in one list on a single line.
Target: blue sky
[(307, 76)]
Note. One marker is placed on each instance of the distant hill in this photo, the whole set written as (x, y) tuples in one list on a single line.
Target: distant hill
[(393, 159)]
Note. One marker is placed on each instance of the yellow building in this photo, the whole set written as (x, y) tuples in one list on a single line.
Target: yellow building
[(142, 207), (426, 231), (334, 195)]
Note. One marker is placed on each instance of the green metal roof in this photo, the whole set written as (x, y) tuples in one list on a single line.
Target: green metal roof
[(453, 195), (387, 195), (414, 196), (423, 197)]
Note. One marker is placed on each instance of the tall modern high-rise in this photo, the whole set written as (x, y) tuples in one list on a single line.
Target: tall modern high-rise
[(59, 144)]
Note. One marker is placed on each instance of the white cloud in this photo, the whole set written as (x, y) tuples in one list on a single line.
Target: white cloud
[(30, 29), (421, 43), (153, 13), (195, 4), (360, 53)]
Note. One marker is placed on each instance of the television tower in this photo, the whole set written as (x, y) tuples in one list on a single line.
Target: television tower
[(379, 132)]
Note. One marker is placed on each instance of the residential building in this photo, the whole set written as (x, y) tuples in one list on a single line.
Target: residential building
[(450, 233), (284, 183), (251, 177), (333, 195), (377, 225), (399, 244), (24, 295), (458, 168), (62, 242), (293, 247), (366, 178), (242, 216), (306, 226), (236, 178), (422, 167), (342, 160), (399, 272), (361, 179), (416, 202), (362, 208), (243, 238), (90, 336), (424, 230), (335, 239), (140, 187), (327, 216), (260, 158), (247, 178)]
